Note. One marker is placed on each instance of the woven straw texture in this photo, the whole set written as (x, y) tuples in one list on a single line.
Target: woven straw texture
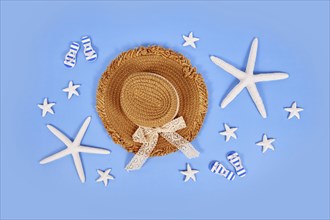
[(149, 100), (171, 65)]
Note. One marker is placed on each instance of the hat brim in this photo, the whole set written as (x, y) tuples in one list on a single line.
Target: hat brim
[(168, 64)]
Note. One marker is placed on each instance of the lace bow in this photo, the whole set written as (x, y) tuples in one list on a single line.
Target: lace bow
[(149, 138)]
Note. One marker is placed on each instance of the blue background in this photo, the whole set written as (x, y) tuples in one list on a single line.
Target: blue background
[(290, 182)]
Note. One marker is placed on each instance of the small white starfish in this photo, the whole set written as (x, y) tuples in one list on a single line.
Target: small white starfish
[(190, 40), (189, 173), (46, 107), (266, 143), (71, 89), (74, 148), (248, 79), (104, 176), (294, 111), (229, 132)]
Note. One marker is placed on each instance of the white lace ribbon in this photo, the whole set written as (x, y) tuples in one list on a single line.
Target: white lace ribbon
[(149, 138)]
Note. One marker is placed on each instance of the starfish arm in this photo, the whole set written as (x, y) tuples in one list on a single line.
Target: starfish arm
[(56, 156), (196, 171), (79, 166), (262, 77), (105, 181), (82, 131), (44, 112), (271, 140), (228, 68), (92, 150), (51, 111), (232, 94), (224, 133), (252, 88), (264, 137), (76, 93), (60, 135), (185, 44), (252, 57), (290, 115)]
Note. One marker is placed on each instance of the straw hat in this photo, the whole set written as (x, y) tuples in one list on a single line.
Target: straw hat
[(149, 87)]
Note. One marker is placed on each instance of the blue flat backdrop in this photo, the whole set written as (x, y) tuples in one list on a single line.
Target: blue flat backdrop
[(290, 182)]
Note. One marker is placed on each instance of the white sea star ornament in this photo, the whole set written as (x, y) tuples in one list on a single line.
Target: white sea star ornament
[(46, 107), (229, 133), (104, 176), (74, 148), (294, 111), (190, 40), (248, 79), (266, 143), (189, 173), (71, 90)]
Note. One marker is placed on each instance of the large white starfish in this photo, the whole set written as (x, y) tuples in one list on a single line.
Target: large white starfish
[(74, 148), (248, 79)]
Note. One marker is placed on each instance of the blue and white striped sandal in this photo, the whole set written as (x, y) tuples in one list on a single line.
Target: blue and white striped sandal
[(235, 160), (218, 168), (71, 56), (89, 52)]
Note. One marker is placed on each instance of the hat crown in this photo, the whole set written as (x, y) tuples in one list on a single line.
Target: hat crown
[(148, 99)]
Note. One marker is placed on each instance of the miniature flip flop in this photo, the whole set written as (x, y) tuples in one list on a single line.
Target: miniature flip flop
[(70, 57), (218, 168), (89, 52), (235, 160)]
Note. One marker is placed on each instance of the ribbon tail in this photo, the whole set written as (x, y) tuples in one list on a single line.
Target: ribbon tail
[(142, 155), (182, 144)]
